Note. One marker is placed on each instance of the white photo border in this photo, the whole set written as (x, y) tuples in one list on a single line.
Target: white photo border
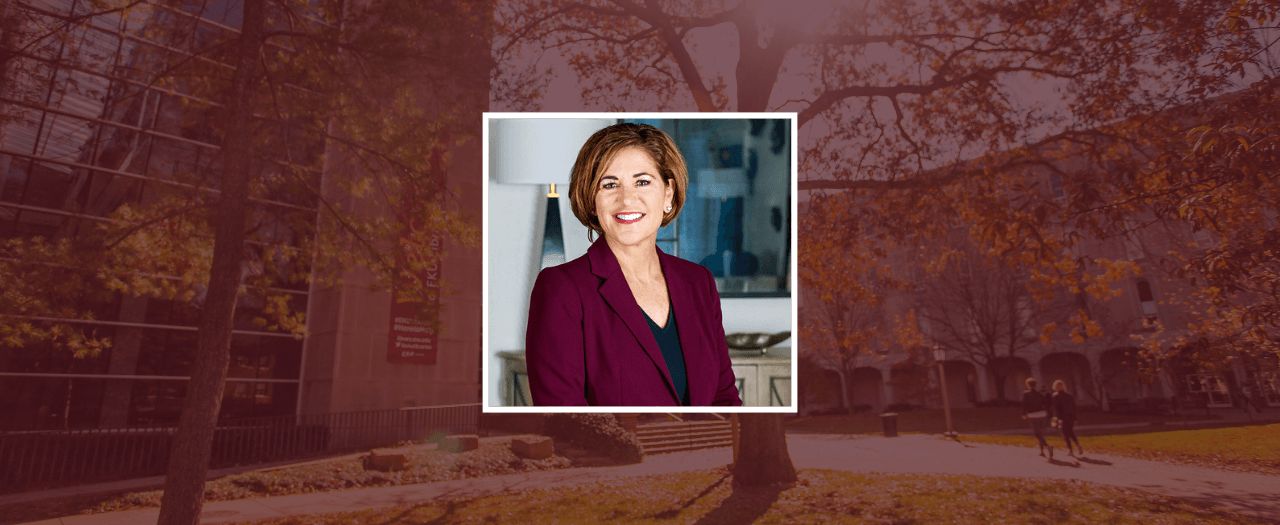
[(486, 358)]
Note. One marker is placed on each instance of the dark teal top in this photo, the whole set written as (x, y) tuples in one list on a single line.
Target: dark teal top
[(669, 342)]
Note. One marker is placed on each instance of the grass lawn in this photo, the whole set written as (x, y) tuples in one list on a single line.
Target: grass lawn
[(964, 420), (1253, 448), (708, 497)]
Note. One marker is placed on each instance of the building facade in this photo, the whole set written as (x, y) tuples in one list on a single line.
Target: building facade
[(92, 130), (1106, 371)]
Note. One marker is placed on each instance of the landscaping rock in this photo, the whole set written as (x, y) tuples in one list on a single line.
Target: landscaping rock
[(459, 443), (533, 447), (385, 462)]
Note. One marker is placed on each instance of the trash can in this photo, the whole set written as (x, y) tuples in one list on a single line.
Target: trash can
[(890, 421)]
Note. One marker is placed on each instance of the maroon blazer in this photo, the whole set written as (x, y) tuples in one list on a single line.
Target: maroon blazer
[(587, 342)]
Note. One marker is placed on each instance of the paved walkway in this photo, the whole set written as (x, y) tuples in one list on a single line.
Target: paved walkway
[(917, 454)]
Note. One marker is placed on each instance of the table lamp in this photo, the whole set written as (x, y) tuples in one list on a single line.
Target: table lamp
[(542, 151)]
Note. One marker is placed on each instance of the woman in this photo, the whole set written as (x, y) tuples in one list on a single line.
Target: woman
[(626, 324), (1035, 409), (1064, 411)]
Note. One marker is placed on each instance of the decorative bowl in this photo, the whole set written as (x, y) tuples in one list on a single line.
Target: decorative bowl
[(755, 340)]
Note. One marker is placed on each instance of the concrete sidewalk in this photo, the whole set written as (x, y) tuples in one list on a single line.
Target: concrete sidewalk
[(1254, 494)]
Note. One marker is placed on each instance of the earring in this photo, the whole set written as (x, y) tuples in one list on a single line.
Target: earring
[(668, 208)]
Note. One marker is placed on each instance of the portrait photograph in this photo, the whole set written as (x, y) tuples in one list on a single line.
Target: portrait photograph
[(639, 262)]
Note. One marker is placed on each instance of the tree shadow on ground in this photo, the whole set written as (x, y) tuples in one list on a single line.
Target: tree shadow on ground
[(406, 516), (744, 505), (671, 513)]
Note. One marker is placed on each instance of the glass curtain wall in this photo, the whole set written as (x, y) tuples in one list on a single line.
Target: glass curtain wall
[(98, 126)]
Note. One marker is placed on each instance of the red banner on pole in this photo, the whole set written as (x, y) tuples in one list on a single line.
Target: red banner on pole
[(412, 338)]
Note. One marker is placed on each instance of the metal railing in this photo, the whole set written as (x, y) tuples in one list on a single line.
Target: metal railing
[(45, 459)]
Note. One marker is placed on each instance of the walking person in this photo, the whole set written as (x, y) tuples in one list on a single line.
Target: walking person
[(1035, 409), (1064, 411)]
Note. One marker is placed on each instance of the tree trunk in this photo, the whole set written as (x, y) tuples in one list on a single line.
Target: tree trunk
[(763, 457), (999, 385), (758, 67), (844, 392), (189, 458)]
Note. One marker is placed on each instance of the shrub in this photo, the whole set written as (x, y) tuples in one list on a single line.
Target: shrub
[(903, 407), (596, 432)]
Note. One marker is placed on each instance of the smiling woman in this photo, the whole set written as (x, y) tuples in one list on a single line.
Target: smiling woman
[(627, 324)]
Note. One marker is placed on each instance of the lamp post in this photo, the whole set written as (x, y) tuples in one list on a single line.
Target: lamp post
[(939, 355)]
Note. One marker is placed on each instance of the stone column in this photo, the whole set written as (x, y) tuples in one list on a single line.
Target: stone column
[(984, 383), (889, 396)]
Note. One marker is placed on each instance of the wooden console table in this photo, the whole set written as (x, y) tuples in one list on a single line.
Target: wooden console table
[(763, 379)]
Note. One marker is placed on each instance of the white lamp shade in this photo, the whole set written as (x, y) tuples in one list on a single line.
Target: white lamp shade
[(538, 150)]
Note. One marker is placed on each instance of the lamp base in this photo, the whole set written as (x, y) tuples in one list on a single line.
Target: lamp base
[(552, 233)]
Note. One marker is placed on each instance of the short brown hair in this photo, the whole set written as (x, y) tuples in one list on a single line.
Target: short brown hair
[(599, 151)]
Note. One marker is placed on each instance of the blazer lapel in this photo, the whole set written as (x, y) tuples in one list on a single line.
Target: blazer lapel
[(688, 320), (617, 294)]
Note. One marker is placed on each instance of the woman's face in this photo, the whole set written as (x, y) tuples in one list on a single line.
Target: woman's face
[(631, 198)]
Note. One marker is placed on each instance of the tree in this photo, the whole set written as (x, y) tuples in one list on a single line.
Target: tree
[(34, 43), (922, 108), (982, 309), (845, 284), (762, 454), (27, 31), (184, 480), (372, 96), (912, 378), (1222, 181), (846, 334)]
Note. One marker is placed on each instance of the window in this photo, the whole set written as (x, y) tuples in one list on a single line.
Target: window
[(1212, 386), (735, 218), (1266, 385), (922, 324), (1147, 300), (1055, 185)]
